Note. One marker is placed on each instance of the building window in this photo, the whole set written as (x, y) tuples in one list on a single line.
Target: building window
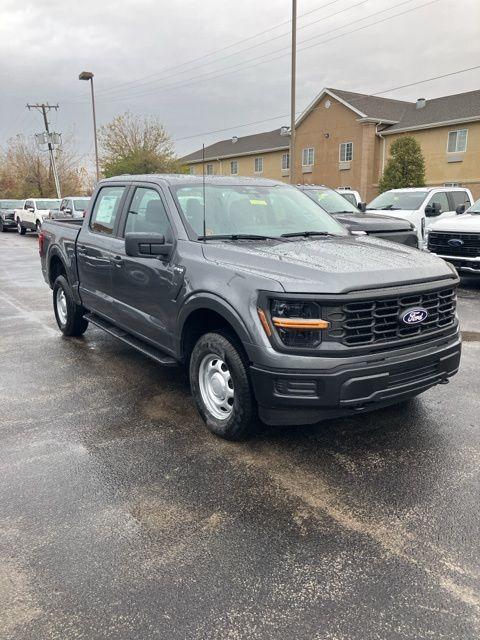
[(308, 157), (346, 152), (286, 161), (209, 169), (234, 167), (457, 141), (191, 171), (259, 165), (452, 184)]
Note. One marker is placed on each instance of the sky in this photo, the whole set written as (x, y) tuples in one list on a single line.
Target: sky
[(204, 65)]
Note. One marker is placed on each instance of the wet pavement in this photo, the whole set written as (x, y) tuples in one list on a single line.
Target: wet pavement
[(122, 517)]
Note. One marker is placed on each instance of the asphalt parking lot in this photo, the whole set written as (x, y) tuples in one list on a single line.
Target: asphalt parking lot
[(122, 517)]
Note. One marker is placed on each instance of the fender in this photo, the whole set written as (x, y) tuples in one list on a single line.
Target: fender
[(55, 251), (213, 302)]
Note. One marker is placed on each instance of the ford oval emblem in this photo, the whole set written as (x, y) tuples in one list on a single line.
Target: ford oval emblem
[(455, 242), (414, 316)]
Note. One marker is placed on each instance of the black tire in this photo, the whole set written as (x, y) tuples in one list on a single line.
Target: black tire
[(239, 423), (3, 228), (74, 323), (38, 226), (20, 228)]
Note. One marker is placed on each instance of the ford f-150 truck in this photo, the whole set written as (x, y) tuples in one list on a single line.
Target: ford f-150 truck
[(275, 308)]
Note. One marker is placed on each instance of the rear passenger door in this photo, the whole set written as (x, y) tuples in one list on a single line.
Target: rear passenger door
[(94, 250), (145, 289)]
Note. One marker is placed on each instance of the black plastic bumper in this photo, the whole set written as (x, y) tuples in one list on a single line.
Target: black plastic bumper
[(298, 397)]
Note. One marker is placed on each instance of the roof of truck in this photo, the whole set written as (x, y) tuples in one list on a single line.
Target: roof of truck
[(183, 178)]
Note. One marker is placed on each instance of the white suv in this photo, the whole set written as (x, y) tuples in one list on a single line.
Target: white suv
[(423, 205), (458, 240)]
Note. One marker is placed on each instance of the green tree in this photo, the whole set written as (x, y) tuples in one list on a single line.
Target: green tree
[(405, 167), (134, 145)]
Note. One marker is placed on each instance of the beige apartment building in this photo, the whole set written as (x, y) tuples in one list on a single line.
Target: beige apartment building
[(343, 140)]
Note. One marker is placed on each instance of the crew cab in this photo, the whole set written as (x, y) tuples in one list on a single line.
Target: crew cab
[(33, 213), (458, 240), (275, 309), (421, 205), (7, 213), (393, 229)]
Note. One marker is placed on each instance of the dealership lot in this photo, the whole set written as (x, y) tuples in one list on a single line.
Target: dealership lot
[(122, 517)]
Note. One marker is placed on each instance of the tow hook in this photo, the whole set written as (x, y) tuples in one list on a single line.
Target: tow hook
[(444, 381)]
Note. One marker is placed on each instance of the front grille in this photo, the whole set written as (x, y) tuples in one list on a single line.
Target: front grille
[(439, 243), (8, 216), (379, 321)]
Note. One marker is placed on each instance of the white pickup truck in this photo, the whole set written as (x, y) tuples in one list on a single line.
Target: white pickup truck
[(458, 240), (34, 212), (422, 206)]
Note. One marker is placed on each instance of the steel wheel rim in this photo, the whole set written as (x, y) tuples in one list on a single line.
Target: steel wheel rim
[(19, 227), (61, 301), (216, 386)]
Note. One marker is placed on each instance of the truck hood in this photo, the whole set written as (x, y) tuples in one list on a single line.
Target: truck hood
[(466, 222), (372, 223), (329, 264)]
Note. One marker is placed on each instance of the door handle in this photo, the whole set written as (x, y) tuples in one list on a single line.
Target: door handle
[(117, 261)]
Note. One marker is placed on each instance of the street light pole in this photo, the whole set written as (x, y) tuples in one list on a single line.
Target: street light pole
[(292, 91), (88, 75)]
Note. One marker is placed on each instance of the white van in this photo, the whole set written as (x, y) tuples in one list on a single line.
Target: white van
[(423, 205)]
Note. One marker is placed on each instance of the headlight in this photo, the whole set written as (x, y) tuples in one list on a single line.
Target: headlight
[(297, 323)]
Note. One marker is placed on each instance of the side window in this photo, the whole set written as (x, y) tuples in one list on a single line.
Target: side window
[(441, 199), (147, 213), (28, 204), (106, 209), (459, 198), (62, 205)]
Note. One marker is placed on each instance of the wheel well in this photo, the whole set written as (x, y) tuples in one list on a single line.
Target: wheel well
[(203, 321), (56, 269)]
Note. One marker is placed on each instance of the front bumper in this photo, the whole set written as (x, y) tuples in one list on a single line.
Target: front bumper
[(463, 263), (305, 397)]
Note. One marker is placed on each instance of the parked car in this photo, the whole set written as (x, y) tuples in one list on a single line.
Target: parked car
[(33, 213), (421, 205), (270, 303), (457, 239), (393, 229), (7, 213), (71, 207), (351, 195)]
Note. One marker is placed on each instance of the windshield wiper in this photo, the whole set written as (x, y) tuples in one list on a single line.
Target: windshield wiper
[(390, 207), (307, 234), (238, 236)]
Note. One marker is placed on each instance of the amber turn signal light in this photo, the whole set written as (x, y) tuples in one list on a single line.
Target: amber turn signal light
[(264, 321), (305, 324)]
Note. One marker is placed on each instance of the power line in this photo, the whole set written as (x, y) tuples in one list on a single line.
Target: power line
[(236, 53), (222, 49), (369, 95), (260, 60)]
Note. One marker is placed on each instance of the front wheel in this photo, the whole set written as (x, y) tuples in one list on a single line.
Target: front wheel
[(38, 226), (20, 228), (221, 388), (3, 228), (68, 314)]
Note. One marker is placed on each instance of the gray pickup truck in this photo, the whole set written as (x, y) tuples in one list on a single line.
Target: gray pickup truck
[(276, 309)]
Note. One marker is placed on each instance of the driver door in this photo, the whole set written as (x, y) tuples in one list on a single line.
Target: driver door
[(440, 198)]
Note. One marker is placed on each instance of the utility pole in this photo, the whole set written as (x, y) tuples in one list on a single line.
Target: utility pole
[(292, 91), (44, 108)]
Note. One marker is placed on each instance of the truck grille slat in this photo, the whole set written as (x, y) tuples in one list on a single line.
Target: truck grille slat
[(438, 242), (379, 321)]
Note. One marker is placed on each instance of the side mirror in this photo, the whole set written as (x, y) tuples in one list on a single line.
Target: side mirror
[(433, 210), (146, 245), (460, 209), (68, 211), (31, 209), (362, 206)]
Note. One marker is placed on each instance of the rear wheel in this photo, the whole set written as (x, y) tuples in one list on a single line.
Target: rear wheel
[(20, 228), (68, 314), (221, 387)]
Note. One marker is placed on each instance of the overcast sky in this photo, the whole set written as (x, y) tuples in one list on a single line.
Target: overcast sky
[(137, 50)]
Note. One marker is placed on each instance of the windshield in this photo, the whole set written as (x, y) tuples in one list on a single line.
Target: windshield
[(80, 204), (239, 209), (331, 201), (393, 200), (475, 208), (11, 204), (48, 204)]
